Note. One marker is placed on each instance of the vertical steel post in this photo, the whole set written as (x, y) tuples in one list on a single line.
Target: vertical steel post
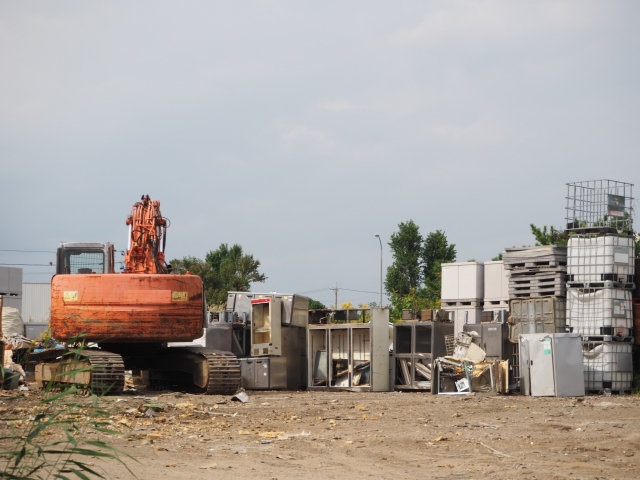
[(378, 236)]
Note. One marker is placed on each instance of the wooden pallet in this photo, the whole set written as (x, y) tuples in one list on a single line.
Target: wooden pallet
[(520, 271), (531, 281), (542, 293)]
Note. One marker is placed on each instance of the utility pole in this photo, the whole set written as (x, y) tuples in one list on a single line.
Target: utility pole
[(380, 240), (335, 290)]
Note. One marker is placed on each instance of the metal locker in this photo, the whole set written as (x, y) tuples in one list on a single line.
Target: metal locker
[(493, 339)]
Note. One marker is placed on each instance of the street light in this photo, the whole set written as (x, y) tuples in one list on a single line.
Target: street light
[(378, 237)]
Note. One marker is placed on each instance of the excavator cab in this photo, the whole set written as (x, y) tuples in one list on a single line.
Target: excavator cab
[(85, 258)]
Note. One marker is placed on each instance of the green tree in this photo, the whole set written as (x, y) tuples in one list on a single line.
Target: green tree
[(435, 252), (497, 258), (313, 304), (551, 237), (405, 274), (223, 270)]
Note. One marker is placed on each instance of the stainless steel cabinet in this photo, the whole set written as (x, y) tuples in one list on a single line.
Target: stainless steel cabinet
[(493, 339), (351, 356), (263, 373)]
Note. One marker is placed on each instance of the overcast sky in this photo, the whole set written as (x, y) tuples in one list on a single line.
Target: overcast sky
[(301, 129)]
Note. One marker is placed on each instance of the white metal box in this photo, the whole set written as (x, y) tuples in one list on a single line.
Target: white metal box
[(496, 281), (550, 364), (604, 311), (464, 315), (462, 281), (601, 258), (266, 326)]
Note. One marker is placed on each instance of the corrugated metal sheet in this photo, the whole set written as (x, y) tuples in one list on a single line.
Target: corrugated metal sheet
[(36, 302)]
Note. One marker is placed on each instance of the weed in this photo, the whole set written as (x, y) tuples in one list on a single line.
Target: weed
[(58, 437)]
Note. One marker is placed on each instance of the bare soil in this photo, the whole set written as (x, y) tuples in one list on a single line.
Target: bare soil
[(294, 435)]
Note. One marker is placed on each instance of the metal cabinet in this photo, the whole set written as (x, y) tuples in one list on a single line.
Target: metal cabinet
[(351, 356), (259, 373), (551, 364), (494, 339), (415, 346)]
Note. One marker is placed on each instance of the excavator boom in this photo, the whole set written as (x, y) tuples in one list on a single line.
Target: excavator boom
[(147, 238)]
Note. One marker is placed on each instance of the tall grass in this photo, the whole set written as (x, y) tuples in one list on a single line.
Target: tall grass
[(58, 437)]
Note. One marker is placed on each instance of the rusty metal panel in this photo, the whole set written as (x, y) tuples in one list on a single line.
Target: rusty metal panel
[(127, 308)]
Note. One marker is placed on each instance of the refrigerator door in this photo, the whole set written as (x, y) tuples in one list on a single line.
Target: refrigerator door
[(247, 373), (277, 372), (525, 379), (262, 374), (568, 365), (541, 367)]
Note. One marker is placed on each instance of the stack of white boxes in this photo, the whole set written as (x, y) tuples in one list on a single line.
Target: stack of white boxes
[(600, 275), (600, 280), (496, 287), (463, 292)]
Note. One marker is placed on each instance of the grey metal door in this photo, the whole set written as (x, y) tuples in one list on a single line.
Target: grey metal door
[(247, 373), (568, 365), (262, 374), (541, 367), (492, 340)]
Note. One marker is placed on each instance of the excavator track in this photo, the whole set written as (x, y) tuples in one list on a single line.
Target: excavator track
[(107, 372), (105, 377), (224, 373)]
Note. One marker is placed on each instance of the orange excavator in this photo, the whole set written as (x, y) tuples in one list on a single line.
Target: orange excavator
[(133, 315)]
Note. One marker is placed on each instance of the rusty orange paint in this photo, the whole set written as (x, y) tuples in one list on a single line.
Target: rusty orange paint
[(129, 308)]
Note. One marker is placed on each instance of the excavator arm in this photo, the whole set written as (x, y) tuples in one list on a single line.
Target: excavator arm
[(147, 238)]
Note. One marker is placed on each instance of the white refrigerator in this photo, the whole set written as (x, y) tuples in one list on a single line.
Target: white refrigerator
[(551, 365)]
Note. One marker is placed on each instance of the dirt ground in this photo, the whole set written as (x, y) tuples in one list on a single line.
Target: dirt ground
[(293, 435)]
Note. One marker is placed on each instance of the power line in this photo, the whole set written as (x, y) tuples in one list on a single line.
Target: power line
[(359, 291), (334, 288), (26, 264), (314, 291), (26, 251)]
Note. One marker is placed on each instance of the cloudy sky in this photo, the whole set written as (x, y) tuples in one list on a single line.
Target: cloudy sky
[(301, 129)]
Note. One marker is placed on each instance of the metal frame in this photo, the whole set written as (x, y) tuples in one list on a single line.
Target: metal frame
[(599, 206), (407, 361)]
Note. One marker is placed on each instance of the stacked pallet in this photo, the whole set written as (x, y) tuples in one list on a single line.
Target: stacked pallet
[(536, 271), (537, 291)]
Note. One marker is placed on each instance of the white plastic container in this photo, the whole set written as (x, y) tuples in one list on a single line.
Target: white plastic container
[(462, 281), (601, 258), (604, 311), (496, 283), (607, 365)]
